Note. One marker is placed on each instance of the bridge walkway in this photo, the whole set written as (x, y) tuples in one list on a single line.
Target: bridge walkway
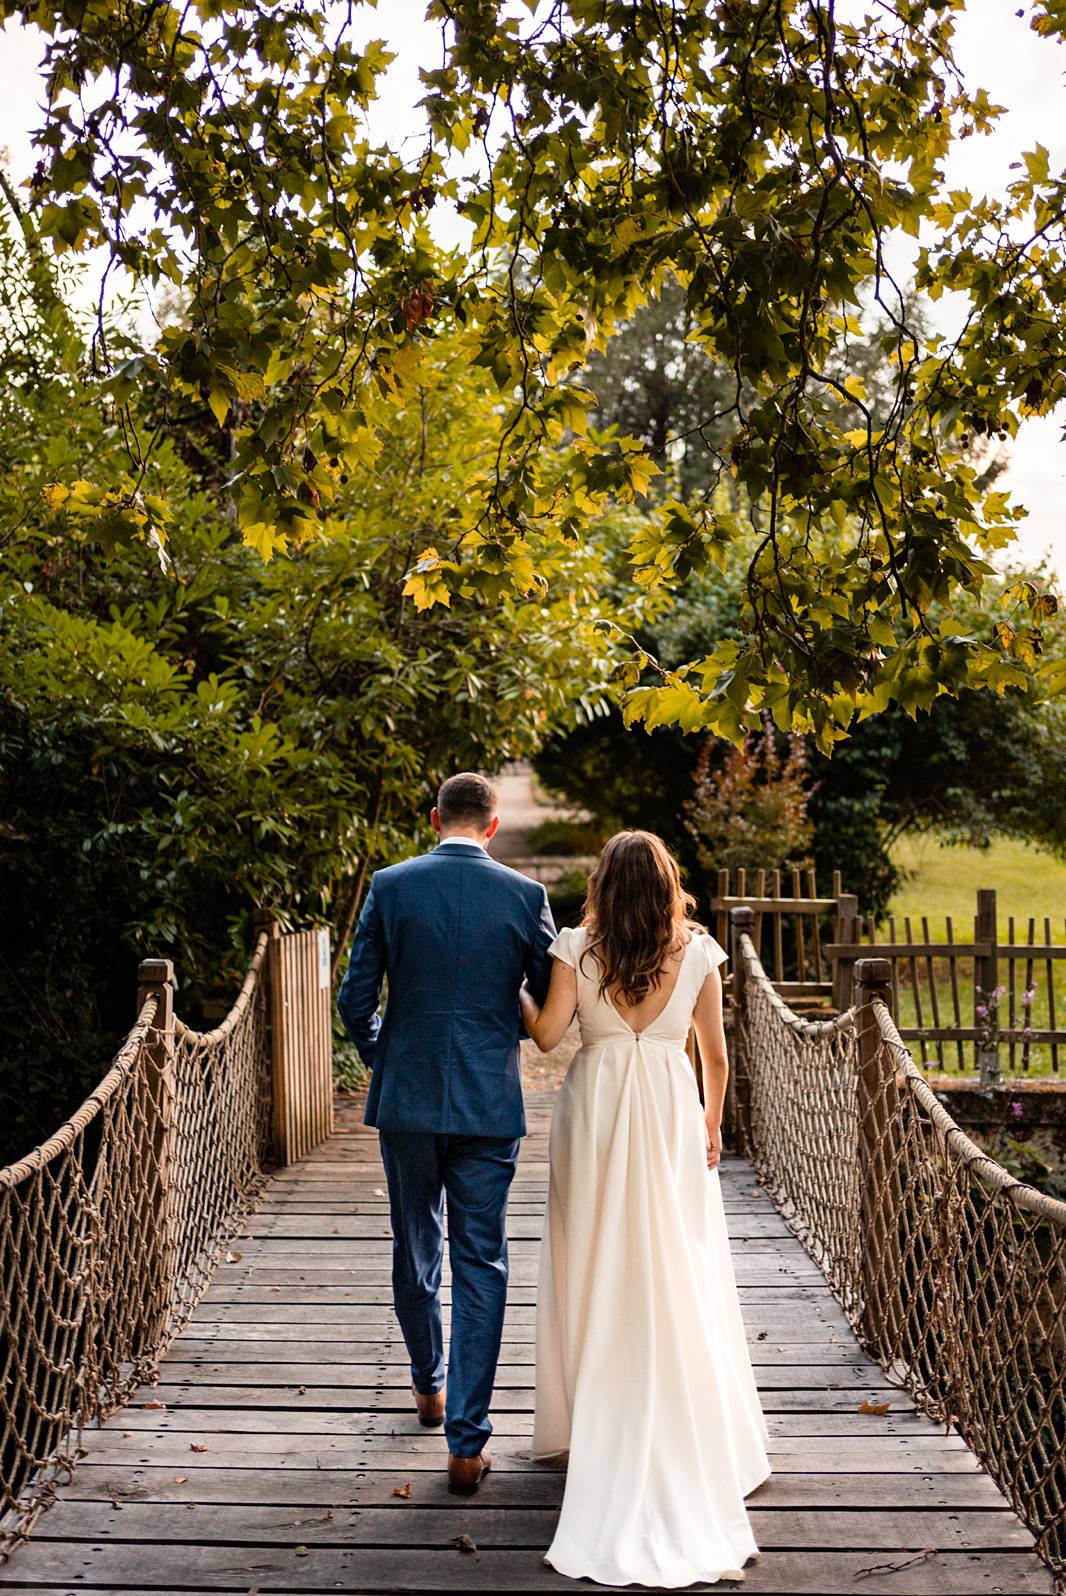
[(279, 1451)]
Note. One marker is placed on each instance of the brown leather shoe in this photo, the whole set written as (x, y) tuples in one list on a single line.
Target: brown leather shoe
[(465, 1474), (430, 1409)]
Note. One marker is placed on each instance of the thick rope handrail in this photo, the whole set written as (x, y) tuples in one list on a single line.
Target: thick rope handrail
[(240, 1003), (810, 1030), (125, 1060), (111, 1229), (951, 1271), (1026, 1195), (1019, 1191)]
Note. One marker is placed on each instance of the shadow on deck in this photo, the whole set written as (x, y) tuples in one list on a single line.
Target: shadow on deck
[(280, 1453)]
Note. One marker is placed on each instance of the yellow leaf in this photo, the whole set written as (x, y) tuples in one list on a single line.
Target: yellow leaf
[(879, 1408), (219, 402), (264, 537)]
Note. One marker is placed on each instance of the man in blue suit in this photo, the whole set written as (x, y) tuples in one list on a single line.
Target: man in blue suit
[(454, 934)]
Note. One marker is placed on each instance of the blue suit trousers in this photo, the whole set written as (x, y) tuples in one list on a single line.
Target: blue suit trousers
[(475, 1174)]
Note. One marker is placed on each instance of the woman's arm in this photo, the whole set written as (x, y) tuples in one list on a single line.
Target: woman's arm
[(548, 1025), (710, 1034)]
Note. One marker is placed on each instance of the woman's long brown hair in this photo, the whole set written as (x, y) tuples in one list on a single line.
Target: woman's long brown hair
[(637, 914)]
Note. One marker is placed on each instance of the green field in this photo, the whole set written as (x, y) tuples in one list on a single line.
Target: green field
[(944, 880), (1030, 885)]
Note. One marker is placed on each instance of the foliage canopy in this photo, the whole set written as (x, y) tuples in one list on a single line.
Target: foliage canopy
[(758, 153)]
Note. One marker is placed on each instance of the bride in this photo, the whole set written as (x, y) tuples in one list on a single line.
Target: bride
[(643, 1373)]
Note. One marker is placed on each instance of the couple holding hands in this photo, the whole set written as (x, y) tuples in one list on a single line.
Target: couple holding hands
[(644, 1385)]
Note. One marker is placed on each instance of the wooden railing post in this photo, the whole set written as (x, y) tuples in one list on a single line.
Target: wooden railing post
[(985, 982), (266, 920), (879, 1176), (738, 1096), (155, 978)]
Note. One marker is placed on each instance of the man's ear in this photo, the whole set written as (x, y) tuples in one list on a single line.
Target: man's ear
[(434, 819), (493, 828)]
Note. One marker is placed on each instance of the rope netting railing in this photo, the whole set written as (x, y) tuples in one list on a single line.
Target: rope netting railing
[(952, 1273), (110, 1230)]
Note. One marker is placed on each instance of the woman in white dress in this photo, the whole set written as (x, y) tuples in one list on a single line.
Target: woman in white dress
[(643, 1372)]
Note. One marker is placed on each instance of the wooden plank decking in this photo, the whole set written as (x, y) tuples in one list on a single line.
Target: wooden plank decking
[(287, 1457)]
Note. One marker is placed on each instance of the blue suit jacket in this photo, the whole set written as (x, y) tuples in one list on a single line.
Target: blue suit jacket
[(454, 933)]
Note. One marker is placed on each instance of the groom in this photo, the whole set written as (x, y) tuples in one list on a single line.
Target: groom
[(454, 934)]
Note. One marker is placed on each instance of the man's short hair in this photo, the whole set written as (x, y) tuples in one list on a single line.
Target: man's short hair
[(467, 799)]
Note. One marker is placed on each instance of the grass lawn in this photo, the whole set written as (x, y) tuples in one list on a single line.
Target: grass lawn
[(942, 881)]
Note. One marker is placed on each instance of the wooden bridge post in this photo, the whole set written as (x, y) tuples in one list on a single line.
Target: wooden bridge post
[(155, 978), (880, 1261), (738, 1094)]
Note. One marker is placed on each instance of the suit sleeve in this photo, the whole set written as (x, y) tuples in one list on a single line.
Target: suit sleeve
[(360, 993), (538, 959)]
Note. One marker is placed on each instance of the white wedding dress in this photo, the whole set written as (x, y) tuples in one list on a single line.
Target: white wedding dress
[(643, 1372)]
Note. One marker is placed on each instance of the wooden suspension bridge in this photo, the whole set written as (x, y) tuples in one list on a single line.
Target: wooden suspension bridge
[(274, 1447)]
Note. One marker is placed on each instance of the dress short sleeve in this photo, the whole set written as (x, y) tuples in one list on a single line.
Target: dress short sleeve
[(566, 946), (714, 952)]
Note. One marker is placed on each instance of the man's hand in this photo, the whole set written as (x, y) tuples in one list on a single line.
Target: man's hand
[(714, 1143)]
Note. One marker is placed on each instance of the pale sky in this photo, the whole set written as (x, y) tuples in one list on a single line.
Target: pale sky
[(996, 51)]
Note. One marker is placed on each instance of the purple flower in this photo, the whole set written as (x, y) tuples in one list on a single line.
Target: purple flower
[(1028, 995), (998, 991), (982, 1011), (1016, 1109)]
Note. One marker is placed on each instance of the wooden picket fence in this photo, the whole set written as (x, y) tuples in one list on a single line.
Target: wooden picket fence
[(794, 929), (967, 999), (301, 1024), (980, 998)]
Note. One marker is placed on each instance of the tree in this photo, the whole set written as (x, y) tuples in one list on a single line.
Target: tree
[(759, 154), (179, 744), (655, 383), (750, 811)]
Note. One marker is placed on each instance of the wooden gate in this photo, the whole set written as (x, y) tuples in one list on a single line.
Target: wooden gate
[(301, 1011)]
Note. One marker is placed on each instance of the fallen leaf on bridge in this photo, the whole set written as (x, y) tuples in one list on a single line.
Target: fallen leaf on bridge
[(153, 1405), (300, 1551), (197, 1446), (866, 1406), (465, 1543), (402, 1490)]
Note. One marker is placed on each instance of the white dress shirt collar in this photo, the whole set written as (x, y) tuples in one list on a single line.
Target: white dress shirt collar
[(468, 842)]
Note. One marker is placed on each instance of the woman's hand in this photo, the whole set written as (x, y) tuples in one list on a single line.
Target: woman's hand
[(714, 1142), (528, 1005)]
